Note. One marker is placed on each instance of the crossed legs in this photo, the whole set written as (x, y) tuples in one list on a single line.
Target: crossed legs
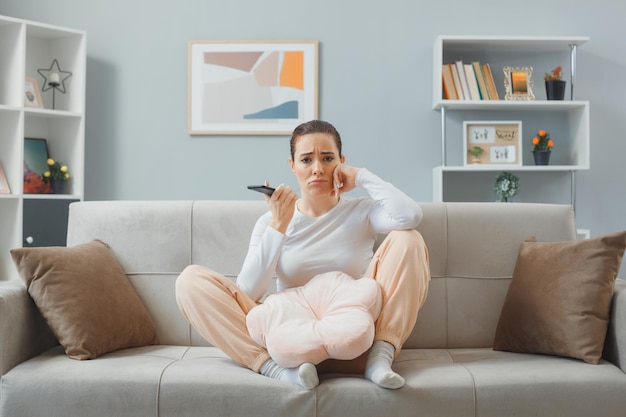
[(217, 309)]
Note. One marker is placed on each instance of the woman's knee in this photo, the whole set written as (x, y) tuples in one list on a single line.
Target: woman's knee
[(407, 238), (187, 277), (409, 242), (194, 277)]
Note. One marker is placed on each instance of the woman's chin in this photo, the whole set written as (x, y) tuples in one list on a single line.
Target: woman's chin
[(321, 190)]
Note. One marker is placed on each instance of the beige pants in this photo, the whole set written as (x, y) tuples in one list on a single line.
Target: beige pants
[(217, 308)]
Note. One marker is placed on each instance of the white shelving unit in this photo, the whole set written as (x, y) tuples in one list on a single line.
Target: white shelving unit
[(567, 121), (26, 46)]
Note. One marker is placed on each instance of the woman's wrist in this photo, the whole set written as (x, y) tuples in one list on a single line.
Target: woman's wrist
[(279, 226)]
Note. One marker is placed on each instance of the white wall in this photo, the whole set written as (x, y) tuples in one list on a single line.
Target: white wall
[(375, 86)]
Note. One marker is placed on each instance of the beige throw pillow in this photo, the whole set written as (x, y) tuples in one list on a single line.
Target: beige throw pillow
[(85, 297), (560, 297)]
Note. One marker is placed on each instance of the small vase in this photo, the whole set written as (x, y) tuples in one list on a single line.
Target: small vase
[(555, 89), (58, 186), (542, 158)]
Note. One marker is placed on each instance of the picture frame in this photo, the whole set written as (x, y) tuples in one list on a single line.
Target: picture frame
[(501, 143), (4, 184), (35, 164), (518, 83), (32, 97), (251, 87)]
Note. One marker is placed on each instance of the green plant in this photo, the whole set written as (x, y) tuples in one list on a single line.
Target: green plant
[(555, 74), (542, 142), (476, 151), (506, 186), (56, 171)]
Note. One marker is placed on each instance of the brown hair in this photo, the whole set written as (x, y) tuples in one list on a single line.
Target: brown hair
[(314, 126)]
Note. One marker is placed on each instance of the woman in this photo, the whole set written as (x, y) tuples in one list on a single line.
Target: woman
[(319, 232)]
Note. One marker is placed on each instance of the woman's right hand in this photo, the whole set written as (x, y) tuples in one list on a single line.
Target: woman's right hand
[(282, 204)]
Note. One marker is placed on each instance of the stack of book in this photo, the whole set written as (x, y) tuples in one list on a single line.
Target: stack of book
[(462, 81)]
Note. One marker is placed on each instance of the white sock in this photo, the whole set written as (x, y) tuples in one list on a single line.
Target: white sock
[(378, 368), (305, 375)]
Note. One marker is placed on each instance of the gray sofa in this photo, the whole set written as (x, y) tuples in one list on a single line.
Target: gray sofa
[(448, 362)]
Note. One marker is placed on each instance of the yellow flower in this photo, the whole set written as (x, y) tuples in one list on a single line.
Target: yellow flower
[(56, 171)]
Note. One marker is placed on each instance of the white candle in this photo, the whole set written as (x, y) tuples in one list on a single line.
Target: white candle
[(53, 78)]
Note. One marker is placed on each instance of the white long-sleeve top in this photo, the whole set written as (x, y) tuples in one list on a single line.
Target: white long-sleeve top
[(340, 240)]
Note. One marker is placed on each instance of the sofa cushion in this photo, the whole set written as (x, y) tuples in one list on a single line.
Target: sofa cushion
[(330, 317), (85, 297), (559, 299)]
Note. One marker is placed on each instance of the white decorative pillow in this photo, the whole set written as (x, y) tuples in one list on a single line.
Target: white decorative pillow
[(330, 317)]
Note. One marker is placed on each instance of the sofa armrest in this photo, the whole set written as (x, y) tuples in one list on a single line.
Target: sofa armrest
[(23, 331), (615, 345)]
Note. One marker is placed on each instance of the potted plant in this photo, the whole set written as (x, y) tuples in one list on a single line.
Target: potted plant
[(57, 175), (506, 186), (542, 147), (476, 152), (555, 86)]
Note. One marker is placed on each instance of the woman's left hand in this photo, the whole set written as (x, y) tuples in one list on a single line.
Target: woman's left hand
[(344, 179)]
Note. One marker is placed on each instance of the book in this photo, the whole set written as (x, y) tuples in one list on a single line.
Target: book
[(457, 82), (463, 79), (491, 85), (480, 79), (449, 90), (471, 82)]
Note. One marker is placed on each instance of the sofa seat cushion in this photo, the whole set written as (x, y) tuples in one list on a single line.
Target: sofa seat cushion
[(330, 317), (508, 384), (480, 382), (156, 380), (171, 381)]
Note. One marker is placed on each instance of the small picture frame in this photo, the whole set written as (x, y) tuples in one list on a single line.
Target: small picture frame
[(492, 143), (32, 98), (35, 164), (518, 83), (4, 185)]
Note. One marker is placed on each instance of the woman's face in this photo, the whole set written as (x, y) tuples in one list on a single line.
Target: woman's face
[(315, 158)]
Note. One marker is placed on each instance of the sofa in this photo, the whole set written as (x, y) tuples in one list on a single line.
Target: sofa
[(449, 362)]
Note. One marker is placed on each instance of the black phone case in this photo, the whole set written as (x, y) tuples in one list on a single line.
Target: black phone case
[(261, 189)]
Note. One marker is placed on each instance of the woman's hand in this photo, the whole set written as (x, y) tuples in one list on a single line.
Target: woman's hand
[(344, 179), (282, 204)]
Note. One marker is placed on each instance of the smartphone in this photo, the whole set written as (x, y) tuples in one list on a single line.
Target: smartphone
[(262, 189)]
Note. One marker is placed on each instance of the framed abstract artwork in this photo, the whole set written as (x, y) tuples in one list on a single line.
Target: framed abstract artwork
[(251, 87)]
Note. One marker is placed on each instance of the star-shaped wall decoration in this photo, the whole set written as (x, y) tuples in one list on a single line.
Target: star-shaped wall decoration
[(52, 81)]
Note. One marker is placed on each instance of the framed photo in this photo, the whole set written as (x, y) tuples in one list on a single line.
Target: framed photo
[(518, 83), (35, 164), (251, 87), (4, 185), (32, 98), (492, 143)]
